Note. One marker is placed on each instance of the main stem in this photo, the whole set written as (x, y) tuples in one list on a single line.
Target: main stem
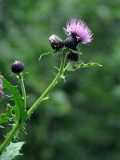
[(50, 87), (9, 136), (13, 131)]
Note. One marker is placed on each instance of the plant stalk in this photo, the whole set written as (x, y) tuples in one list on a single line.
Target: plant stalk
[(50, 87), (9, 136), (23, 88), (13, 131)]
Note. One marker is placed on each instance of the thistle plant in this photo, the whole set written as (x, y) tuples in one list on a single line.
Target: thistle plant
[(17, 114)]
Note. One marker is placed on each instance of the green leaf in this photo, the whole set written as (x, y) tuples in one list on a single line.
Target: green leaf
[(73, 66), (5, 117), (46, 54), (12, 150), (19, 101), (73, 51)]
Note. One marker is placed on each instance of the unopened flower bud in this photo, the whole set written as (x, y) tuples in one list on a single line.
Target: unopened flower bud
[(17, 67), (56, 42), (72, 56), (70, 42)]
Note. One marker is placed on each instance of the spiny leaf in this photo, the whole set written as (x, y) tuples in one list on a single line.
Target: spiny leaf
[(44, 54), (12, 150), (90, 64), (72, 66), (73, 51), (19, 101), (5, 117)]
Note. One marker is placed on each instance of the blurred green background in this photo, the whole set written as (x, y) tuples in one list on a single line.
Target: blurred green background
[(81, 120)]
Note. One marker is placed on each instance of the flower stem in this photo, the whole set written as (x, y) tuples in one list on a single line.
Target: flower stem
[(23, 88), (17, 125), (50, 87), (9, 136)]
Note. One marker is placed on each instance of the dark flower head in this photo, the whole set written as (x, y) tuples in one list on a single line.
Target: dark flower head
[(70, 42), (72, 56), (79, 30), (56, 42), (17, 67)]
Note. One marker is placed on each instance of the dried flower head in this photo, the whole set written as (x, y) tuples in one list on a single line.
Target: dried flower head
[(17, 67), (79, 30), (56, 42)]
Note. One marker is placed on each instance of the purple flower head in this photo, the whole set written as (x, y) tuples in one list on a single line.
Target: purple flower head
[(79, 30)]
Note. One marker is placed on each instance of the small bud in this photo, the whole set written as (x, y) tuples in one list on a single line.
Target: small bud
[(70, 42), (17, 67), (56, 42), (72, 56)]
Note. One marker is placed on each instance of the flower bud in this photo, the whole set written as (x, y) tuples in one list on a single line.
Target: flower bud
[(56, 42), (17, 67), (72, 56), (70, 42)]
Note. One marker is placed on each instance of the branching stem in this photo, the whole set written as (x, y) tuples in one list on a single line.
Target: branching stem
[(16, 127), (50, 87)]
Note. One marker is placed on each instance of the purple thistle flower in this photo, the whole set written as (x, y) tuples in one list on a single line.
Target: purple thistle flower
[(79, 30)]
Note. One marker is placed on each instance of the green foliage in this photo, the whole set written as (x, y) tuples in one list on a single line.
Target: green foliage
[(12, 150), (46, 54), (5, 117), (78, 52), (91, 129), (73, 66), (18, 108)]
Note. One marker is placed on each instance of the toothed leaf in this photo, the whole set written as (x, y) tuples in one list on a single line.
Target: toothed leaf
[(12, 150), (46, 54), (78, 52), (5, 117), (73, 66), (19, 101)]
